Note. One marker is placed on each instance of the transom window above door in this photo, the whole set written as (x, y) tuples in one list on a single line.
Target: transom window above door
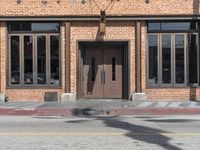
[(34, 59)]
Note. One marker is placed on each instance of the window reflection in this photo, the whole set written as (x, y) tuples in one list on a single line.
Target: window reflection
[(15, 65), (166, 59), (54, 56), (179, 58), (41, 59), (28, 60), (176, 26), (192, 47), (153, 59), (45, 27), (33, 26), (154, 26)]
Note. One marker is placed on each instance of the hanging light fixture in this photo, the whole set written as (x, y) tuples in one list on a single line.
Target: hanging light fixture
[(83, 2), (19, 1), (44, 2)]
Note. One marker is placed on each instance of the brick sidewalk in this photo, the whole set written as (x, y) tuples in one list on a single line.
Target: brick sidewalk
[(100, 107)]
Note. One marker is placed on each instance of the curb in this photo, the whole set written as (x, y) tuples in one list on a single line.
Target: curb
[(108, 111)]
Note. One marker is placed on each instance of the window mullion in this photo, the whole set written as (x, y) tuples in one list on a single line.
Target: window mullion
[(173, 57), (35, 61), (22, 59), (186, 62), (48, 59), (160, 59)]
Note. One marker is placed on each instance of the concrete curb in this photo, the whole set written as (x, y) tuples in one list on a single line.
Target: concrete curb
[(110, 111)]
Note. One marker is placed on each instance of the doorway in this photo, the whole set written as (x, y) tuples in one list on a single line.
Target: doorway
[(103, 72)]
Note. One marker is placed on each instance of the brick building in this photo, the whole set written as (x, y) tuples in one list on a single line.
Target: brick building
[(58, 46)]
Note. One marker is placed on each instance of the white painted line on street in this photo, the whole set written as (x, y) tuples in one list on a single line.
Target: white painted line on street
[(145, 104), (97, 134), (174, 104), (162, 104)]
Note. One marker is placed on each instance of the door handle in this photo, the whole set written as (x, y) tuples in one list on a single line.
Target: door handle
[(104, 77)]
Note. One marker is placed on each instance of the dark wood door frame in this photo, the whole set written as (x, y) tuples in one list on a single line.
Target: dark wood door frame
[(126, 61)]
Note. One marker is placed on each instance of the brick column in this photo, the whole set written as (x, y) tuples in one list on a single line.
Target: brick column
[(138, 57), (67, 57)]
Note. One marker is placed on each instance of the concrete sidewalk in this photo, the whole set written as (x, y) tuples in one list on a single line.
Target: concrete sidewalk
[(100, 107)]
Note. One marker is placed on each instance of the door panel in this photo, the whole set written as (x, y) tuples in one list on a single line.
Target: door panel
[(92, 73), (113, 73)]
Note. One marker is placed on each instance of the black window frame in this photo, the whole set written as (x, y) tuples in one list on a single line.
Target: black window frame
[(159, 33), (34, 34)]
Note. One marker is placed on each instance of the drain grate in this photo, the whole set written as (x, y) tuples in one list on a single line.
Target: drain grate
[(88, 111)]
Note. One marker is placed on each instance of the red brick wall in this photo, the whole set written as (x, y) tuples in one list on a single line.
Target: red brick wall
[(169, 94), (74, 7)]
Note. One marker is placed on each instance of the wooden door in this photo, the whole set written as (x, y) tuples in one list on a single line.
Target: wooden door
[(92, 73), (113, 73), (102, 73)]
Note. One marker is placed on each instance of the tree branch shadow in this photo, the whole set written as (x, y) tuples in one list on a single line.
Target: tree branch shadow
[(141, 133), (137, 132)]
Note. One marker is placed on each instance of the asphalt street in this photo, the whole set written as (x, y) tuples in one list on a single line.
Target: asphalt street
[(100, 133)]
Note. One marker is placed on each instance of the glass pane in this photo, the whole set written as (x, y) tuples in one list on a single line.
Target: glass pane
[(33, 26), (179, 58), (54, 58), (153, 59), (28, 59), (14, 27), (154, 26), (178, 25), (113, 69), (26, 26), (166, 59), (93, 69), (45, 26), (192, 47), (172, 26), (41, 59), (15, 60)]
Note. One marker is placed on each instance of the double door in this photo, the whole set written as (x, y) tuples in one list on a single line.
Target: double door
[(102, 72)]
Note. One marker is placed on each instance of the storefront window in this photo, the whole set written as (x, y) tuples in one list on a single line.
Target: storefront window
[(177, 53), (34, 58)]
